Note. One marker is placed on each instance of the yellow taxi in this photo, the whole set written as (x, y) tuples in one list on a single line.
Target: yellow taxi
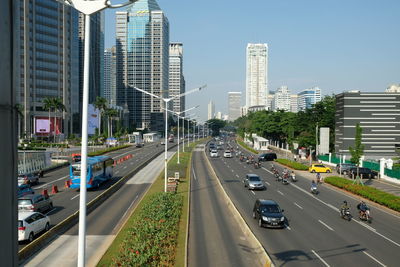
[(319, 168)]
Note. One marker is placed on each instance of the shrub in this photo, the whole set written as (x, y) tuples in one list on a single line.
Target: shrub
[(152, 240), (293, 164), (371, 193), (103, 151), (246, 146)]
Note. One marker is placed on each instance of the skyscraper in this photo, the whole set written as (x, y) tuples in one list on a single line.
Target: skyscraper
[(256, 75), (142, 60), (109, 76), (176, 78), (211, 110), (308, 97), (294, 104), (47, 64), (282, 99), (234, 100)]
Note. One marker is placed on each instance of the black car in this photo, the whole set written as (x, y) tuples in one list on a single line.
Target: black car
[(212, 146), (267, 156), (268, 213), (362, 171)]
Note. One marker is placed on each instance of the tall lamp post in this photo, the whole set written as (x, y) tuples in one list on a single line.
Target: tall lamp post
[(166, 101), (87, 7), (188, 127)]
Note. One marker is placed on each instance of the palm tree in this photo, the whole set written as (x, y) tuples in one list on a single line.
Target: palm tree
[(48, 105), (110, 113), (58, 106), (101, 105)]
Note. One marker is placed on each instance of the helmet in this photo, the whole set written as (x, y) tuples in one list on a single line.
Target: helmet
[(345, 202)]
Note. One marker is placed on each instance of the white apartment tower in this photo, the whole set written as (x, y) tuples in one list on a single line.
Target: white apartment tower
[(294, 105), (282, 99), (211, 110), (234, 99), (256, 75), (308, 97), (176, 78)]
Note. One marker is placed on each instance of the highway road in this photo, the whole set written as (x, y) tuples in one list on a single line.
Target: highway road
[(66, 202), (102, 224), (315, 234), (215, 239)]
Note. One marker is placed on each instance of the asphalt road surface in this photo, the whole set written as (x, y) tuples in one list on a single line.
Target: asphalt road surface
[(215, 239), (315, 234), (102, 224)]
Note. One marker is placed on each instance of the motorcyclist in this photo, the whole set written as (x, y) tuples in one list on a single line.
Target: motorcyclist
[(344, 207), (313, 184), (273, 168), (318, 177), (362, 208), (293, 176)]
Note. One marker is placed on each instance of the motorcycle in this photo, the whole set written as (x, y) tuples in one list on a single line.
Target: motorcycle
[(345, 214), (293, 177), (365, 216), (285, 180), (278, 177), (314, 189), (257, 165)]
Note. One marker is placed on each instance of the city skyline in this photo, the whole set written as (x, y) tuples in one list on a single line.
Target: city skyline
[(314, 41)]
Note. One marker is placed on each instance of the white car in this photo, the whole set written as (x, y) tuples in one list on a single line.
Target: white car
[(31, 224), (227, 154), (214, 153)]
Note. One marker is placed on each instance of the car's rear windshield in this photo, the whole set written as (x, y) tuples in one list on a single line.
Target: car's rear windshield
[(270, 209), (254, 178), (24, 201), (20, 224)]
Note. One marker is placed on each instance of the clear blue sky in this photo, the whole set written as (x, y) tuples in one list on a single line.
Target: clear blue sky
[(335, 45)]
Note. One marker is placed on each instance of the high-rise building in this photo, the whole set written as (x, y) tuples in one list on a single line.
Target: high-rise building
[(142, 32), (96, 56), (256, 75), (211, 110), (176, 78), (294, 104), (282, 99), (219, 115), (393, 88), (109, 76), (308, 97), (234, 101), (47, 64)]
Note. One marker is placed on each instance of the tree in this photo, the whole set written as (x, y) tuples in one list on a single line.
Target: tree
[(110, 113), (216, 125), (101, 105), (58, 106), (358, 150), (49, 105)]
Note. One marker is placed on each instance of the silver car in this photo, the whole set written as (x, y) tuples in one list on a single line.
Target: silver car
[(29, 178), (35, 203), (253, 181)]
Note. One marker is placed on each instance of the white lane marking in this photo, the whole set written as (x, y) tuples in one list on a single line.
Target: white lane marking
[(50, 211), (280, 193), (237, 176), (124, 167), (194, 174), (267, 183), (374, 259), (321, 259), (49, 183), (232, 170), (267, 170), (131, 163), (253, 192), (327, 226), (288, 227), (336, 209), (75, 196), (300, 207), (116, 172)]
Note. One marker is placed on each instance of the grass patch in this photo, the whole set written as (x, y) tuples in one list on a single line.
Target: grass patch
[(293, 164), (161, 246), (242, 144), (103, 151), (371, 193)]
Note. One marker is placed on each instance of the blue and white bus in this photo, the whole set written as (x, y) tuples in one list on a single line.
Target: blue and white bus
[(100, 169)]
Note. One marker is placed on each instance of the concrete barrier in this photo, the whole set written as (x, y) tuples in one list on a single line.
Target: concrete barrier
[(70, 221), (264, 259)]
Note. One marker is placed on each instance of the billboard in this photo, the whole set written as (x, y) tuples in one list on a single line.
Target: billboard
[(44, 128), (42, 125), (93, 119)]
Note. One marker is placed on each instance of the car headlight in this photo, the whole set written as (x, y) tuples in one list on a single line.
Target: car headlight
[(282, 219), (266, 218)]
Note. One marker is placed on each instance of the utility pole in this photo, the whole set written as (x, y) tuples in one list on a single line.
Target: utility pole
[(8, 140), (316, 141)]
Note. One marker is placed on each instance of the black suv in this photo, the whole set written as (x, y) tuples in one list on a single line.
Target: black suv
[(268, 213), (363, 172), (267, 156)]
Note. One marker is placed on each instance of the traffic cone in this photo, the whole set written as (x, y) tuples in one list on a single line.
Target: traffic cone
[(45, 193), (66, 185), (54, 189)]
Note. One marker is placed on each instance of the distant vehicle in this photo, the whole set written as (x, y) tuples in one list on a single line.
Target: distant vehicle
[(29, 178), (162, 142), (362, 171), (227, 154), (219, 147), (31, 224), (139, 144), (267, 156), (268, 213), (343, 168), (76, 157), (24, 189), (35, 203), (171, 138), (112, 141), (100, 170), (212, 146), (253, 181), (319, 168), (214, 153)]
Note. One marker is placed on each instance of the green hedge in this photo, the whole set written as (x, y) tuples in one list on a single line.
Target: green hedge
[(293, 164), (371, 193), (103, 151), (152, 239), (240, 142)]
